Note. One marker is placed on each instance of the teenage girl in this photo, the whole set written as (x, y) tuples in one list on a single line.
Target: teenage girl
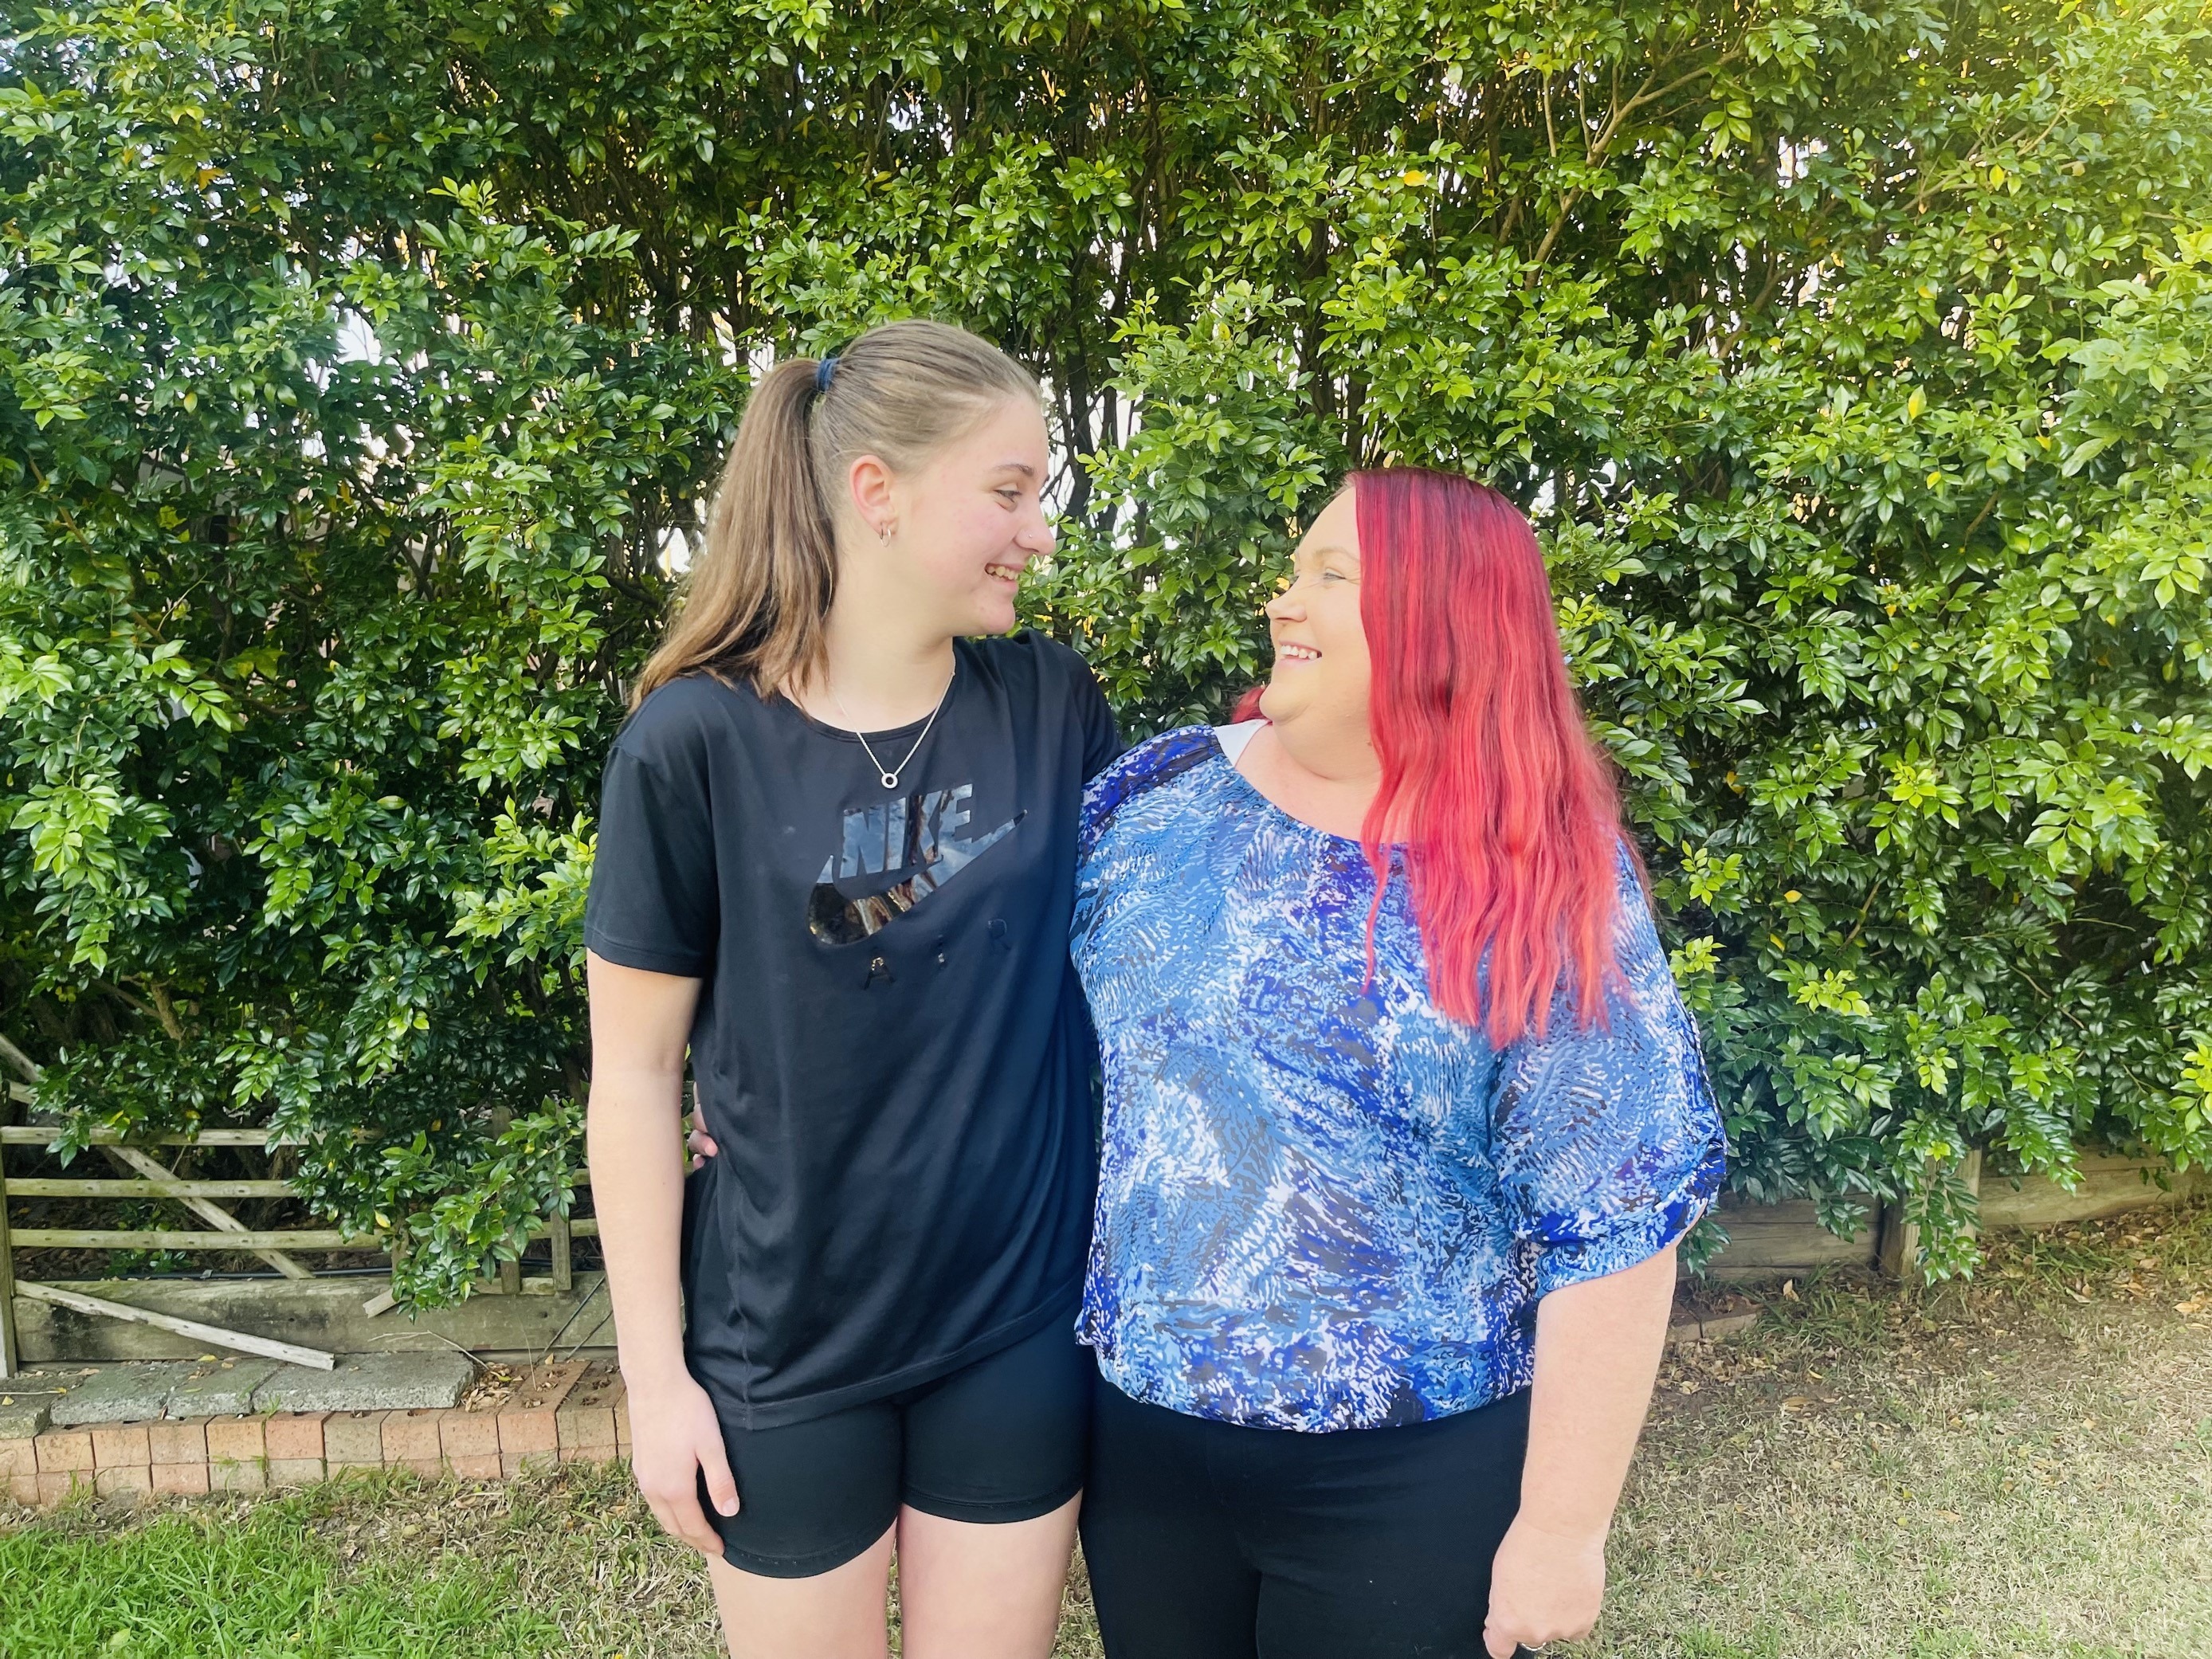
[(835, 870), (1403, 1121)]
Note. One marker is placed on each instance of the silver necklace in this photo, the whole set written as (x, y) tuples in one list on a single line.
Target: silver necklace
[(889, 775)]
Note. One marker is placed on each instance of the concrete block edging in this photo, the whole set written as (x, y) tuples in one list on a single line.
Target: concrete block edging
[(536, 1426)]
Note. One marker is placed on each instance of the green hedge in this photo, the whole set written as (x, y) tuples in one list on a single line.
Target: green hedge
[(362, 363)]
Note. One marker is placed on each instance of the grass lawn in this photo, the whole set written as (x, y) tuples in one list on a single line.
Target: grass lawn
[(2014, 1469)]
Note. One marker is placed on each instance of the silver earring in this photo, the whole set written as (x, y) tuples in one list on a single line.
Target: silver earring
[(884, 531)]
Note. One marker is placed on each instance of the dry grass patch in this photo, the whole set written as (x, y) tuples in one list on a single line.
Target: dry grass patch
[(2011, 1469)]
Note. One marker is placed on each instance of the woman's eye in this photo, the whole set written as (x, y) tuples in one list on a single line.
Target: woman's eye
[(1011, 497)]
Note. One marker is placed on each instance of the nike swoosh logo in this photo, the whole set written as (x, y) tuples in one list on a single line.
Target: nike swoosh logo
[(836, 920)]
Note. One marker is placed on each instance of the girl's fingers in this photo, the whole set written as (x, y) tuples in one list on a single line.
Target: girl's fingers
[(701, 1147), (670, 1522), (722, 1484), (682, 1518)]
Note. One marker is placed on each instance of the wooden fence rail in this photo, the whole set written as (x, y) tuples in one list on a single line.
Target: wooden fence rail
[(10, 1352), (63, 1187), (34, 1134)]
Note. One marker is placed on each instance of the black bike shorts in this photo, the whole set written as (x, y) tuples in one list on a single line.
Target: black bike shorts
[(1003, 1439)]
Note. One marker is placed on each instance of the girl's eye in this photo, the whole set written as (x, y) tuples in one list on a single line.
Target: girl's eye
[(1011, 497)]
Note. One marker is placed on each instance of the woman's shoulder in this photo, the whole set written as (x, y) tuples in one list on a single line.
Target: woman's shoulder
[(1149, 766)]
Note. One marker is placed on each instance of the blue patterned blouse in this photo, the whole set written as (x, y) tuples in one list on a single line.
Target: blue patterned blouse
[(1325, 1207)]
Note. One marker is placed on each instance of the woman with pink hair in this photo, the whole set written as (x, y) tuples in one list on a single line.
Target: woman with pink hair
[(1404, 1120)]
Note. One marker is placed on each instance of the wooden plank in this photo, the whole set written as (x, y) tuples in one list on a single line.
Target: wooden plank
[(22, 1062), (11, 1349), (557, 1234), (323, 1312), (510, 1273), (1898, 1253), (1781, 1239), (265, 1347), (65, 1187), (2110, 1186), (214, 1214), (11, 1357), (80, 1238), (42, 1134)]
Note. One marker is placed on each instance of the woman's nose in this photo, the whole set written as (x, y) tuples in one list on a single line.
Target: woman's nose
[(1040, 539), (1287, 606)]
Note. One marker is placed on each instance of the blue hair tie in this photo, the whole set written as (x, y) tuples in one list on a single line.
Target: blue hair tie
[(824, 371)]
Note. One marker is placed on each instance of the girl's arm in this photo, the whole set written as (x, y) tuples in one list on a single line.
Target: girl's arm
[(641, 1029), (1598, 1345)]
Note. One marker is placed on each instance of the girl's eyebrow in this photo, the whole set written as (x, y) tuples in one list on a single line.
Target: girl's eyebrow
[(1022, 467)]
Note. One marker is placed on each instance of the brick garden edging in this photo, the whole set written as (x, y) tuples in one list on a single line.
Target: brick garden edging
[(576, 1412), (564, 1413)]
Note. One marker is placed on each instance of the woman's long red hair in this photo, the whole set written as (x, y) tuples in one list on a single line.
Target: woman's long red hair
[(1505, 806)]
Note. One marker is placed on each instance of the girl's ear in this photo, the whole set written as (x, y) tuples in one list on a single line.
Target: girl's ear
[(868, 483)]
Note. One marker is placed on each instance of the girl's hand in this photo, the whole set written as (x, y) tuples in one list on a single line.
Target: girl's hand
[(1544, 1586), (674, 1435), (699, 1144)]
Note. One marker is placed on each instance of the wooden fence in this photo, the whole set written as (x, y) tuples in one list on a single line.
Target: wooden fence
[(1768, 1240), (144, 1176)]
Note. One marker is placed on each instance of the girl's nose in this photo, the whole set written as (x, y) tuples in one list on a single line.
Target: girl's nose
[(1287, 606), (1040, 539)]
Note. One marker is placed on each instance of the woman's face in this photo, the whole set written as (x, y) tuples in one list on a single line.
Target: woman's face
[(969, 518), (1321, 672)]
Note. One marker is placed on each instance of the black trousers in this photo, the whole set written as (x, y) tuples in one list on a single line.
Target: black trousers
[(1212, 1540)]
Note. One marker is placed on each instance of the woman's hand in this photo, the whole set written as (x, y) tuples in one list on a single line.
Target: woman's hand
[(674, 1435), (699, 1144), (1544, 1586)]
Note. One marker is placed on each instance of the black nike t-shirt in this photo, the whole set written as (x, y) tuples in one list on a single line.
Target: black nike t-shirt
[(890, 1047)]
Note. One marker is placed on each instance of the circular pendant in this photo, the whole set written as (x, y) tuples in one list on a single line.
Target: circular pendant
[(890, 780)]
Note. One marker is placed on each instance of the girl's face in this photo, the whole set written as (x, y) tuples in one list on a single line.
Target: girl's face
[(969, 518), (1320, 675)]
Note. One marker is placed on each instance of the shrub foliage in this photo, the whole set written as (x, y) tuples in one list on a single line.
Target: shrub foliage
[(362, 364)]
